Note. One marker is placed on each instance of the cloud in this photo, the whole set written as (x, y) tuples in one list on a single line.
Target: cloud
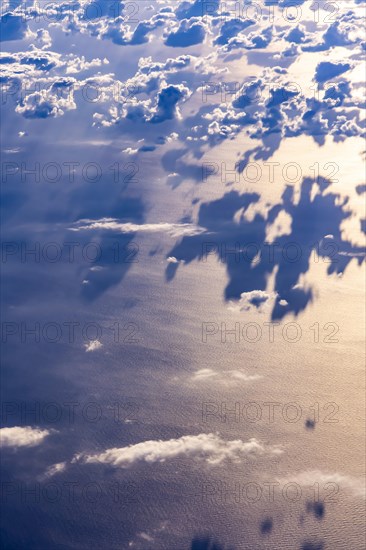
[(22, 437), (172, 260), (338, 34), (256, 299), (223, 376), (54, 469), (93, 345), (46, 103), (259, 39), (167, 102), (209, 448), (356, 486), (231, 29), (111, 224), (95, 9), (197, 8), (188, 33)]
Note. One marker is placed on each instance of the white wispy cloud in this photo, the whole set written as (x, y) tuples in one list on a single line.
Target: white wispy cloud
[(112, 224), (356, 486), (226, 376), (210, 448), (54, 469)]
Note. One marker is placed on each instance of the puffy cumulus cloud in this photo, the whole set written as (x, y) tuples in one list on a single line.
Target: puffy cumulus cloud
[(258, 39), (172, 65), (189, 33), (123, 35), (94, 9), (152, 94), (345, 32), (93, 345), (22, 436), (197, 8), (103, 19), (151, 76), (40, 82), (47, 103), (168, 99), (37, 61), (164, 106), (43, 39), (231, 28), (156, 91), (288, 110), (204, 447)]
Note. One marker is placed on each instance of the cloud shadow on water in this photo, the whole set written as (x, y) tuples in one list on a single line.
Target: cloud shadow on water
[(241, 243)]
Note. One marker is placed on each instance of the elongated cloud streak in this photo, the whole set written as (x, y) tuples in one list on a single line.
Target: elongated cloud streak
[(111, 224), (206, 447)]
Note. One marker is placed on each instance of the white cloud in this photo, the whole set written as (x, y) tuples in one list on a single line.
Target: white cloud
[(172, 229), (22, 436), (93, 345), (255, 300), (130, 151), (223, 376), (205, 447), (356, 486), (54, 469)]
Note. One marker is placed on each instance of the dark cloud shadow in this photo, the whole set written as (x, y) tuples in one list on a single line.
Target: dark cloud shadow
[(241, 244), (207, 543), (266, 526)]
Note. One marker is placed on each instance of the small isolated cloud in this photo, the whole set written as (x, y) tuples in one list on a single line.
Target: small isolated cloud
[(209, 448), (173, 260), (93, 345), (256, 299), (230, 375), (22, 436), (54, 469)]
